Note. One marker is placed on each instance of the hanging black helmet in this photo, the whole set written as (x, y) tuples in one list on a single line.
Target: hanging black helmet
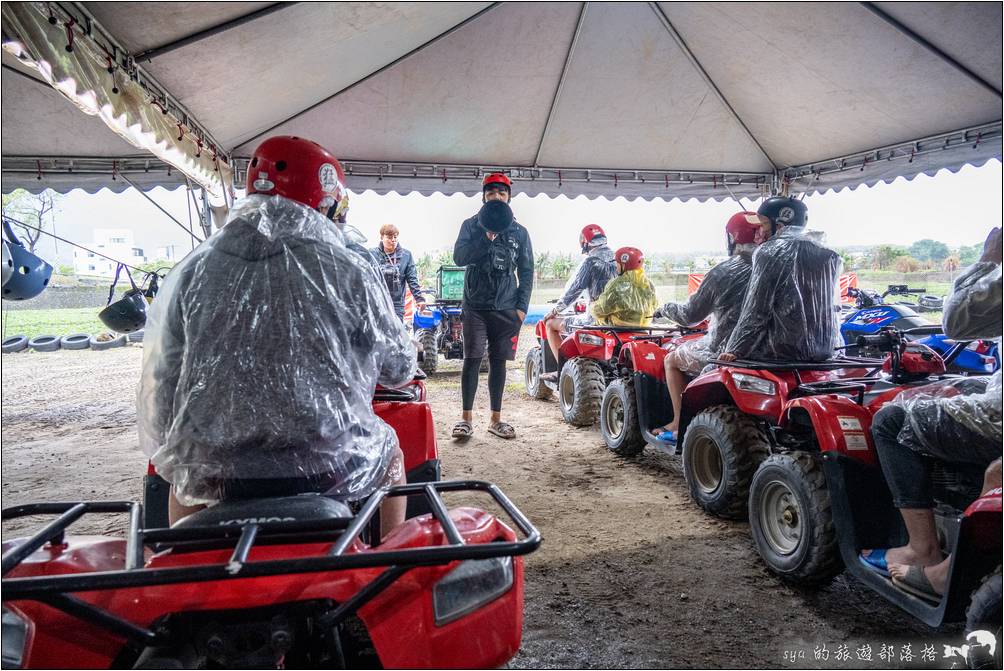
[(127, 314), (784, 210), (495, 216), (29, 274)]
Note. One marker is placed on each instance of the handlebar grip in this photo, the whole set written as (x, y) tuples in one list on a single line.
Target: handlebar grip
[(917, 291), (877, 340)]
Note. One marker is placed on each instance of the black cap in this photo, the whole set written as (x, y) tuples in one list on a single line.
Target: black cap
[(495, 216)]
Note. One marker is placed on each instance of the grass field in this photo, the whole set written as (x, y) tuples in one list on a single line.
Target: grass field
[(57, 322)]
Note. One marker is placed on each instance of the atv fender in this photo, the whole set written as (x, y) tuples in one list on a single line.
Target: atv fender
[(981, 523), (840, 425), (718, 387), (646, 357)]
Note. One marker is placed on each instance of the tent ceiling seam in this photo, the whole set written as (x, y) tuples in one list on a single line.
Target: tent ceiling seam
[(561, 81), (927, 44), (397, 60), (149, 54), (668, 25)]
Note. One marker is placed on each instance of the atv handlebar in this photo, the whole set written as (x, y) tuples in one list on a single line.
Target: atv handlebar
[(901, 290)]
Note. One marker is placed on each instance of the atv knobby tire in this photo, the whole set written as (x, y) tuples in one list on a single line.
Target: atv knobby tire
[(791, 519), (532, 368), (430, 355), (984, 613), (722, 448), (619, 419), (580, 389)]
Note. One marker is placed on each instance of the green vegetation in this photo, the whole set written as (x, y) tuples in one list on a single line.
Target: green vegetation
[(57, 322)]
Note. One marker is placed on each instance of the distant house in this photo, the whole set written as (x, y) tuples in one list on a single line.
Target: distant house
[(116, 243)]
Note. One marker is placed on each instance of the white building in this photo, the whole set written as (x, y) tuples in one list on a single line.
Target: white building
[(116, 243)]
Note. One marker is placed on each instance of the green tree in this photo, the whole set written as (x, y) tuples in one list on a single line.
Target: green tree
[(541, 262), (426, 267), (929, 250), (34, 209), (445, 258), (970, 255), (884, 256), (850, 263), (907, 264), (562, 266), (156, 264)]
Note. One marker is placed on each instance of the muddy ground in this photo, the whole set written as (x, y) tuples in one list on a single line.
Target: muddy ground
[(630, 573)]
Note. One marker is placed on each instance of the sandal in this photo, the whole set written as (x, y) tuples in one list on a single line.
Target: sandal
[(502, 430), (875, 562), (915, 582), (463, 429)]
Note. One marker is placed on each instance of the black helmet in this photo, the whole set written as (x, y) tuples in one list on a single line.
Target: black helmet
[(29, 274), (127, 314), (8, 264), (495, 216), (784, 210)]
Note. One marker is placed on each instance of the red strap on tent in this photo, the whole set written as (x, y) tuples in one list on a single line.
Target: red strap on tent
[(38, 164), (979, 136), (181, 132), (115, 169), (559, 179), (69, 33)]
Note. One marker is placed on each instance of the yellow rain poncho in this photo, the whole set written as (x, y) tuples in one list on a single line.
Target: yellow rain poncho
[(627, 300)]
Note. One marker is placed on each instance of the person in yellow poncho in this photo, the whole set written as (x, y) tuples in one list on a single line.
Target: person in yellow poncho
[(628, 299)]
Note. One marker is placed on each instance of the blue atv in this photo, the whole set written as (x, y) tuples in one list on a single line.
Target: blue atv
[(439, 327), (871, 314)]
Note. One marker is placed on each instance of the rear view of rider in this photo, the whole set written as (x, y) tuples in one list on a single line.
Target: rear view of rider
[(789, 313), (265, 345), (592, 275), (719, 297), (628, 299)]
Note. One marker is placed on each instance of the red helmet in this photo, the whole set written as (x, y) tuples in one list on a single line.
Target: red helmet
[(742, 228), (497, 178), (630, 258), (591, 231), (300, 170)]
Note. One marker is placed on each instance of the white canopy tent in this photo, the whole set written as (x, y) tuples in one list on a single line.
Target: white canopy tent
[(661, 99)]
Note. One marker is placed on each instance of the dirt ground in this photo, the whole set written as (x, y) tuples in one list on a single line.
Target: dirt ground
[(630, 572)]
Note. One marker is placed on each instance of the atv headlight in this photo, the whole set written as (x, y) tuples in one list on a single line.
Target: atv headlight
[(15, 634), (471, 585), (590, 339), (755, 384)]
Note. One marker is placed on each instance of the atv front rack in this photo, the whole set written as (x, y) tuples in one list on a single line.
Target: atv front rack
[(830, 364), (54, 590)]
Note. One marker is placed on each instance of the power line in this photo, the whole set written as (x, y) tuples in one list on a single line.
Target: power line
[(70, 242)]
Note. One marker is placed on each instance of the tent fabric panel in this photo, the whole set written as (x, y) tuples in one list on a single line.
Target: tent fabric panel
[(91, 182), (969, 36), (255, 75), (632, 97), (851, 81), (145, 25), (455, 101), (35, 120)]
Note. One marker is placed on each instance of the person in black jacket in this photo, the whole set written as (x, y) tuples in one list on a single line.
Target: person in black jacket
[(499, 278), (397, 266)]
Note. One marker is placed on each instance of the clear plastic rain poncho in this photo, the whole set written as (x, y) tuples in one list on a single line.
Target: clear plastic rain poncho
[(720, 296), (790, 312), (595, 270), (628, 300), (973, 311), (261, 356)]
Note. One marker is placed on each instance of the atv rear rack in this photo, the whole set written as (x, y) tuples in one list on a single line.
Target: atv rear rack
[(54, 590)]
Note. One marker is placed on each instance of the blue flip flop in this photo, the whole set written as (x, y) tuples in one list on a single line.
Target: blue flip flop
[(875, 562), (668, 437)]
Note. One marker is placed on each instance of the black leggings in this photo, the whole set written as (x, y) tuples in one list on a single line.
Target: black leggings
[(496, 382)]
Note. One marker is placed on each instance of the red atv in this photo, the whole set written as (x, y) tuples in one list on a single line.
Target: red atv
[(818, 496), (277, 582), (637, 400), (588, 360)]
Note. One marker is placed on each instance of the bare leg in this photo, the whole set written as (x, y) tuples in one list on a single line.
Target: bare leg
[(938, 573), (922, 549), (553, 327), (176, 511), (394, 508), (676, 381)]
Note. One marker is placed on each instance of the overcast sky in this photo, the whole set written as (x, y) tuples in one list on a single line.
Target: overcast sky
[(957, 209)]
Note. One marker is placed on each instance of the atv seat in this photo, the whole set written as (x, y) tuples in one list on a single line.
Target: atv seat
[(299, 508)]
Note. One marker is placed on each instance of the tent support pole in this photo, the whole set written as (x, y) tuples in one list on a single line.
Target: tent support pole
[(922, 41), (150, 54), (157, 205), (337, 93), (667, 24), (561, 81)]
